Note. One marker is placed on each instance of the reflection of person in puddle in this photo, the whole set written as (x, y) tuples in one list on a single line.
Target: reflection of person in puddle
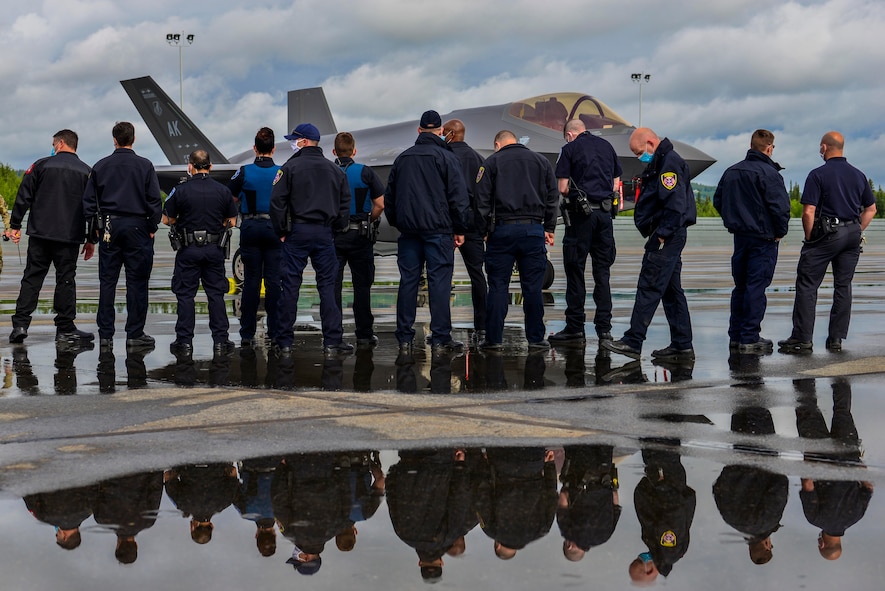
[(831, 505), (589, 507), (750, 499), (665, 507), (66, 510), (428, 498), (201, 491), (517, 502), (129, 505), (253, 500)]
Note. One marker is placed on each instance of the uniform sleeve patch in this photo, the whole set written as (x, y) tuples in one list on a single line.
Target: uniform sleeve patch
[(479, 174), (278, 177), (669, 180), (668, 539)]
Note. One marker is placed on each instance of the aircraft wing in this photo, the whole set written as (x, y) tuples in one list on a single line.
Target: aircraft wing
[(175, 133)]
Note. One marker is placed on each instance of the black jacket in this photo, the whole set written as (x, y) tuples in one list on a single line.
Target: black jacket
[(52, 188), (752, 199), (516, 183), (666, 202), (309, 189), (426, 192), (124, 184)]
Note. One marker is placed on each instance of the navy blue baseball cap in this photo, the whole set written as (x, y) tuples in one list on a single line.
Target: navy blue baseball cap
[(307, 131), (430, 120)]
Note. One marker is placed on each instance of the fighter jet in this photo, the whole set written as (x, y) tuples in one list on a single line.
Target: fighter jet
[(537, 122)]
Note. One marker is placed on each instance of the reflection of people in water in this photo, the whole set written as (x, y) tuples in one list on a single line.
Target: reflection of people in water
[(589, 507), (65, 372), (831, 505), (366, 479), (428, 499), (311, 503), (665, 507), (750, 499), (517, 502), (201, 491), (66, 510), (254, 501), (128, 505)]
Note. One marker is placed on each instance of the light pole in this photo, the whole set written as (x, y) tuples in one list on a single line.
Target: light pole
[(178, 40), (640, 79)]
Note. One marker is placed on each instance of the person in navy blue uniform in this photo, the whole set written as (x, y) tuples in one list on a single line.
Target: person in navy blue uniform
[(516, 199), (426, 200), (473, 249), (664, 209), (840, 196), (587, 171), (260, 247), (755, 207), (309, 201), (124, 191), (355, 246), (52, 189), (202, 210)]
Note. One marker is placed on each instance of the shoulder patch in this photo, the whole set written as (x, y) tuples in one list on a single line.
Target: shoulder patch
[(30, 169), (278, 177), (669, 180), (479, 173), (668, 539)]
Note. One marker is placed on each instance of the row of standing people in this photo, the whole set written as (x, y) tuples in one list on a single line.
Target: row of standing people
[(440, 195)]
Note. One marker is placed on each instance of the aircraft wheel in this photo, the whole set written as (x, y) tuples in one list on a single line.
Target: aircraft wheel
[(237, 267), (549, 275)]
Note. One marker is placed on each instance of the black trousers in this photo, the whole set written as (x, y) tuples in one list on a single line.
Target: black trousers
[(42, 253)]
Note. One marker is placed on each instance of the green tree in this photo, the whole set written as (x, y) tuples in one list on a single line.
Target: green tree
[(9, 182)]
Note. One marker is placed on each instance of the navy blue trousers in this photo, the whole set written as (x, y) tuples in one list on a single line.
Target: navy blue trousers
[(660, 282), (357, 252), (260, 249), (752, 267), (841, 250), (437, 251), (523, 244), (194, 265), (591, 235), (131, 247), (317, 243)]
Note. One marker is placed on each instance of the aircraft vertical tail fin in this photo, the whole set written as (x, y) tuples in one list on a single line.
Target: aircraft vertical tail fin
[(309, 105), (174, 131)]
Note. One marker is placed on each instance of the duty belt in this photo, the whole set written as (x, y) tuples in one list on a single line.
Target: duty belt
[(513, 222), (200, 238), (256, 216)]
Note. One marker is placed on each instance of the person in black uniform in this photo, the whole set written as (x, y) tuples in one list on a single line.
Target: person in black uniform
[(516, 199), (124, 193), (426, 200), (831, 505), (473, 249), (665, 507), (52, 189), (751, 499), (664, 209), (355, 246), (755, 207), (200, 491), (429, 502), (66, 509), (589, 506), (839, 196), (260, 247), (587, 170), (202, 210), (310, 200), (128, 505)]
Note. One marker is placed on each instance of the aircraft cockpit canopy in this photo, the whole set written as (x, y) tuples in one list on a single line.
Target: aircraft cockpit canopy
[(554, 110)]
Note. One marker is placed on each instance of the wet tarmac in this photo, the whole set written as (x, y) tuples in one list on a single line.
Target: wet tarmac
[(706, 457)]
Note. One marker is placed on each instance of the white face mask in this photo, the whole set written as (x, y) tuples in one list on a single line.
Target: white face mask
[(294, 144)]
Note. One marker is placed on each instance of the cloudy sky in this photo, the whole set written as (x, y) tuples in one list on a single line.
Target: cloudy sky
[(718, 70)]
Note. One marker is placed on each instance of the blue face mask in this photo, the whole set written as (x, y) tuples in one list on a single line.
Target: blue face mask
[(52, 153), (646, 157), (646, 557)]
